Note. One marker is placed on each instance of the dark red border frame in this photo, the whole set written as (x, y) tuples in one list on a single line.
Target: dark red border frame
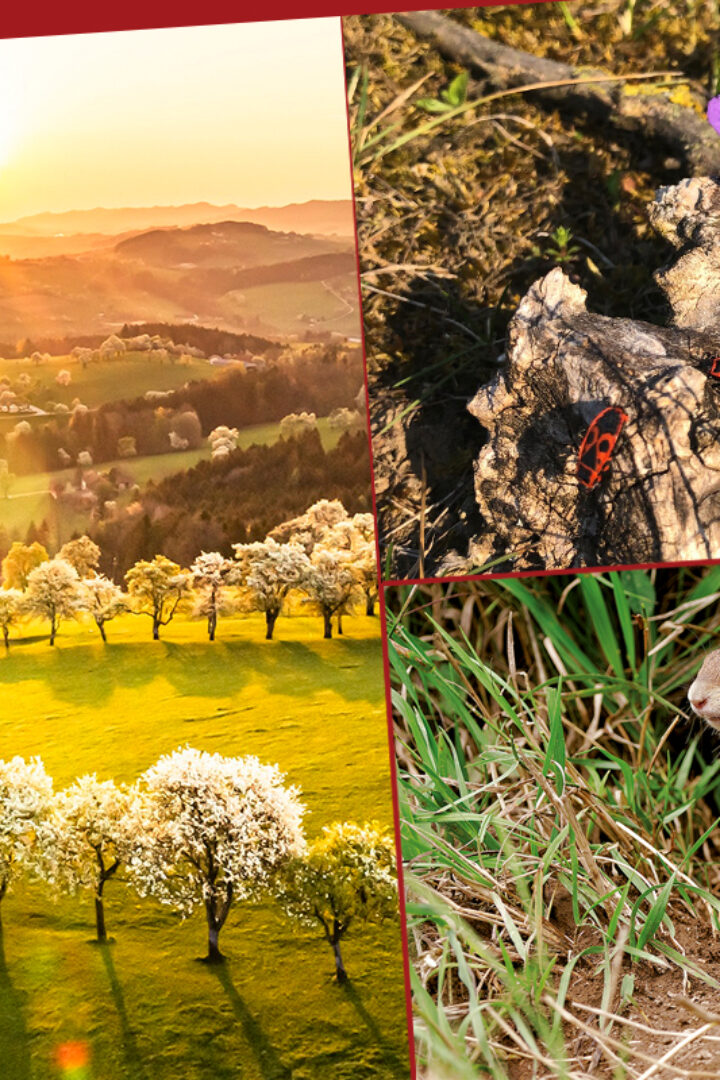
[(491, 575), (25, 21)]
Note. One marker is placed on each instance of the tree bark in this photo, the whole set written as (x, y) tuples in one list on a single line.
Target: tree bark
[(53, 629), (340, 973), (369, 604), (156, 630), (101, 628), (660, 498), (327, 621), (100, 916), (214, 955), (339, 619), (6, 636), (212, 624), (270, 620), (217, 910)]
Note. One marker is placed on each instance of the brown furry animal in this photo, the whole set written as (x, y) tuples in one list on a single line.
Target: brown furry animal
[(704, 693)]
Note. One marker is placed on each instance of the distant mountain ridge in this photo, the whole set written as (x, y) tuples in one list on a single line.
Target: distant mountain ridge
[(323, 216)]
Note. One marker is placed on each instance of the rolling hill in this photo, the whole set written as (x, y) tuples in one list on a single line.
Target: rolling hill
[(217, 274), (236, 244)]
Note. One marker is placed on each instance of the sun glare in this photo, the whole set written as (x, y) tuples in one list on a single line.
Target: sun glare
[(182, 116), (7, 141), (9, 123)]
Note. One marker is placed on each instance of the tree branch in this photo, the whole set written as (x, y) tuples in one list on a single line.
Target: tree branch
[(677, 127)]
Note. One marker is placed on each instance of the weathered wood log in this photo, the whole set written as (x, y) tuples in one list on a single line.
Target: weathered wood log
[(660, 499), (683, 131)]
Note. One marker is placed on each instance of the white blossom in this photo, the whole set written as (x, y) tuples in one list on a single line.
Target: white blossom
[(218, 829), (223, 440), (102, 599), (25, 797), (210, 572), (53, 592), (267, 571)]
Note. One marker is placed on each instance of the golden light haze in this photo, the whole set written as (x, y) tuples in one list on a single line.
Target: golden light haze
[(250, 113)]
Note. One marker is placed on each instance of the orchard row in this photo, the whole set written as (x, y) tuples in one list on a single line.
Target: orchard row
[(325, 558), (196, 830)]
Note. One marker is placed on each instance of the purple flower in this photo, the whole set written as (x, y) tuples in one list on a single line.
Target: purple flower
[(713, 113)]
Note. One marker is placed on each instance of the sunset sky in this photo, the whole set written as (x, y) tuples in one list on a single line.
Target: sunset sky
[(252, 114)]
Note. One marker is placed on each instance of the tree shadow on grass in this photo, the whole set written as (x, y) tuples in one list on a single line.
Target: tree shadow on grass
[(392, 1056), (271, 1067), (86, 676), (129, 1045), (14, 1045)]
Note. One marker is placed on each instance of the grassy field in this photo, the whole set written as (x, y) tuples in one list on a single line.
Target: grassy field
[(280, 307), (146, 1008), (30, 500), (109, 380)]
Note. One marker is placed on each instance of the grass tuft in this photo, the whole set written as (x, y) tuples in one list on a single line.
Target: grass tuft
[(559, 811)]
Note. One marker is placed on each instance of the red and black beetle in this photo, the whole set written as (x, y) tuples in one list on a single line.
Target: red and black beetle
[(709, 364), (597, 446)]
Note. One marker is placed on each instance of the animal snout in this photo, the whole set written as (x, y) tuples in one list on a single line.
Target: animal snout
[(697, 702)]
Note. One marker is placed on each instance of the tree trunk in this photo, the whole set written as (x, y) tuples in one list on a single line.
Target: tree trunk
[(340, 973), (327, 620), (339, 618), (212, 624), (53, 630), (100, 915), (156, 629), (101, 628), (6, 635), (659, 500), (214, 955), (216, 911), (369, 604), (270, 620)]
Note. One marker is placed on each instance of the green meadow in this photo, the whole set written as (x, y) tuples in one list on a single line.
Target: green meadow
[(109, 380), (144, 1006), (30, 499), (277, 308)]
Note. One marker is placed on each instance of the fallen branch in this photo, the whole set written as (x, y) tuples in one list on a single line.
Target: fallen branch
[(682, 130)]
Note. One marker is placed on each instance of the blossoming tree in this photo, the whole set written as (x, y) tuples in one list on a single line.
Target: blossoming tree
[(11, 610), (210, 573), (157, 588), (82, 553), (86, 838), (26, 793), (356, 536), (345, 877), (53, 592), (217, 830), (20, 560), (329, 582), (102, 599), (267, 572)]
